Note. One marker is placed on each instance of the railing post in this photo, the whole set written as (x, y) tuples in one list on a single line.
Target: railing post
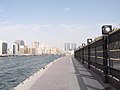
[(95, 55), (79, 55), (105, 56), (74, 54), (88, 42), (83, 55), (88, 56), (83, 44)]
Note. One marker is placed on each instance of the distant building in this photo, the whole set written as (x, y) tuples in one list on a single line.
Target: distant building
[(70, 46), (43, 49), (15, 49), (67, 47), (3, 47), (54, 51), (21, 46), (35, 44), (73, 46), (31, 51), (22, 51), (26, 50), (21, 43)]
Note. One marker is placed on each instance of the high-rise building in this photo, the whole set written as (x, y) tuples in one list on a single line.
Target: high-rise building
[(3, 47), (26, 50), (21, 46), (21, 43), (43, 48), (31, 51), (65, 46), (72, 46), (75, 46), (35, 44), (54, 51), (15, 49), (69, 46)]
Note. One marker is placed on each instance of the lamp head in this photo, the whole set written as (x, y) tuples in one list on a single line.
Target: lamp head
[(83, 44), (89, 41), (106, 29)]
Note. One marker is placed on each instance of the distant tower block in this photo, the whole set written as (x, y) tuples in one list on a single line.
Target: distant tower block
[(70, 46), (3, 47)]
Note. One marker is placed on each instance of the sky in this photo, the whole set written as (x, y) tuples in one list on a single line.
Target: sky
[(56, 21)]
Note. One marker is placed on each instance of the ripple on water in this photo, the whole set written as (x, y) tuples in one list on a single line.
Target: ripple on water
[(14, 70), (1, 85)]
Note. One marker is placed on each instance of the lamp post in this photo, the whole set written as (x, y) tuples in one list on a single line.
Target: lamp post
[(88, 42), (83, 44), (106, 29)]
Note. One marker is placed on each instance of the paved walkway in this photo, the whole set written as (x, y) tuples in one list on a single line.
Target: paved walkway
[(58, 77), (66, 74)]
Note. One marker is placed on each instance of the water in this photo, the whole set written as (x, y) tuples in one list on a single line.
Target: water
[(13, 70)]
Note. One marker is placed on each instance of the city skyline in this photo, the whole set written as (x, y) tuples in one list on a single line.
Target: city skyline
[(24, 43), (19, 48), (56, 22)]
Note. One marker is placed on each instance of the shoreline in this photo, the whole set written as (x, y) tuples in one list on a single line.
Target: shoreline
[(26, 55), (27, 83)]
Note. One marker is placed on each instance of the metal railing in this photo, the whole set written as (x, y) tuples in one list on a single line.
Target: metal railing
[(103, 54)]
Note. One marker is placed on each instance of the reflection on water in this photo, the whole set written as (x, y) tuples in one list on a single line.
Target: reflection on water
[(14, 70)]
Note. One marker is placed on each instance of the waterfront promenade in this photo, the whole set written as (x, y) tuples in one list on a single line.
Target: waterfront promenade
[(65, 74)]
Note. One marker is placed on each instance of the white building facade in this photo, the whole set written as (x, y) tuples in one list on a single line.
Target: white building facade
[(15, 49)]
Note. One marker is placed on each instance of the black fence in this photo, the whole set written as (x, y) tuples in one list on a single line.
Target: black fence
[(102, 54)]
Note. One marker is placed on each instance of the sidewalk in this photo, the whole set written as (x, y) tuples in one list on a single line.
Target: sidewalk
[(88, 80), (68, 74), (59, 76)]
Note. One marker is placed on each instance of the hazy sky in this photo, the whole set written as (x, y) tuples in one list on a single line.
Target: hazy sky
[(56, 21)]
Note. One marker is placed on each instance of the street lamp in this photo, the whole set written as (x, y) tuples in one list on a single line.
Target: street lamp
[(89, 41), (83, 44), (106, 29)]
